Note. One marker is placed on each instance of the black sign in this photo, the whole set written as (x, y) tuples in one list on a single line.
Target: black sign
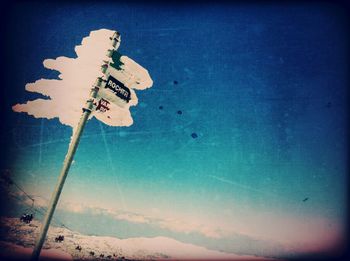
[(118, 88)]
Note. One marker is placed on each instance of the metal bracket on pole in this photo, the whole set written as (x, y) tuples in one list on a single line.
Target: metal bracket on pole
[(69, 157)]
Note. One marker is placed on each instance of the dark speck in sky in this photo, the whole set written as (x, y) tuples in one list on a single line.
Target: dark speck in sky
[(194, 135), (176, 82), (179, 112), (160, 107)]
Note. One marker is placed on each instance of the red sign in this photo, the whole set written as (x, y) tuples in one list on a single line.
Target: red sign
[(102, 105)]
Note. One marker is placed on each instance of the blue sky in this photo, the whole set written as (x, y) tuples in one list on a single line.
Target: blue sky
[(264, 87)]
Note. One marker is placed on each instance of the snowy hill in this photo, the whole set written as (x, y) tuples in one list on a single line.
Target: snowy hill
[(17, 236)]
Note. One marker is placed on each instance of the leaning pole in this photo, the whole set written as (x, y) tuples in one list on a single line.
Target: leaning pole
[(69, 156)]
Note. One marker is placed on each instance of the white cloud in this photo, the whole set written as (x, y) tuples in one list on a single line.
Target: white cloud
[(73, 207), (172, 224), (187, 227), (134, 218), (175, 225)]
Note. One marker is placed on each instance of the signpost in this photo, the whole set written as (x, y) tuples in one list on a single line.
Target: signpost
[(122, 92)]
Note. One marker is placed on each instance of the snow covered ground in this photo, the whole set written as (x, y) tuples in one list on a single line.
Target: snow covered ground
[(17, 241), (11, 251)]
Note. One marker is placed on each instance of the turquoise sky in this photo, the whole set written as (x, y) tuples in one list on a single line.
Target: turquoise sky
[(263, 87)]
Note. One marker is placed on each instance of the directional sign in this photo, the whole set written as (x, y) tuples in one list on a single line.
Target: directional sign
[(102, 105), (118, 88)]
